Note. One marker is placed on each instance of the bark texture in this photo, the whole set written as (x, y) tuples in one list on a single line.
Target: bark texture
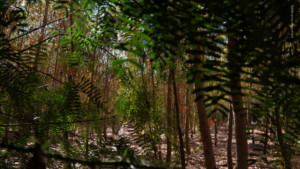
[(229, 141), (169, 99), (177, 120), (209, 157), (37, 57), (187, 139), (240, 118), (216, 129), (286, 157)]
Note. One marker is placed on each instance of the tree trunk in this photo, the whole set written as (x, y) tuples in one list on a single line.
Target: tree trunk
[(87, 123), (203, 125), (248, 102), (177, 120), (240, 118), (168, 135), (71, 74), (195, 119), (187, 139), (284, 153), (55, 70), (71, 24), (72, 71), (5, 138), (266, 138), (216, 130), (87, 140), (106, 98), (286, 123), (249, 105), (37, 57), (158, 154), (229, 141)]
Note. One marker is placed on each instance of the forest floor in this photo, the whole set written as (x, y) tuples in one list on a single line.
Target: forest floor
[(196, 158)]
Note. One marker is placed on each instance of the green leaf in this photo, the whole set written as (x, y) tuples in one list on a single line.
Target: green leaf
[(82, 24), (86, 4), (62, 7), (47, 144), (118, 62), (253, 154), (125, 155), (220, 39), (126, 20), (121, 71), (142, 35), (210, 71), (251, 161), (135, 63)]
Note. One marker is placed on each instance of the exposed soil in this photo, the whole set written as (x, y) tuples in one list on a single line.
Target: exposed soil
[(196, 159)]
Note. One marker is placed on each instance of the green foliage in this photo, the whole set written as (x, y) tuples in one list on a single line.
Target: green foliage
[(258, 28), (164, 32)]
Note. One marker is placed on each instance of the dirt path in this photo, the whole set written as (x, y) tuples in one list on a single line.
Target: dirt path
[(196, 159)]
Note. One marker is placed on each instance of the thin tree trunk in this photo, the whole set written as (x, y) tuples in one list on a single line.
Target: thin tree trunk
[(192, 126), (249, 105), (177, 120), (55, 70), (71, 74), (37, 57), (106, 94), (195, 120), (71, 24), (158, 154), (87, 123), (203, 124), (240, 118), (229, 140), (251, 119), (286, 123), (187, 139), (266, 138), (87, 140), (284, 152), (216, 130), (5, 138), (72, 71), (248, 102), (168, 135)]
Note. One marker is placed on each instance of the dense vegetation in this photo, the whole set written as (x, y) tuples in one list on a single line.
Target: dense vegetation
[(75, 74)]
